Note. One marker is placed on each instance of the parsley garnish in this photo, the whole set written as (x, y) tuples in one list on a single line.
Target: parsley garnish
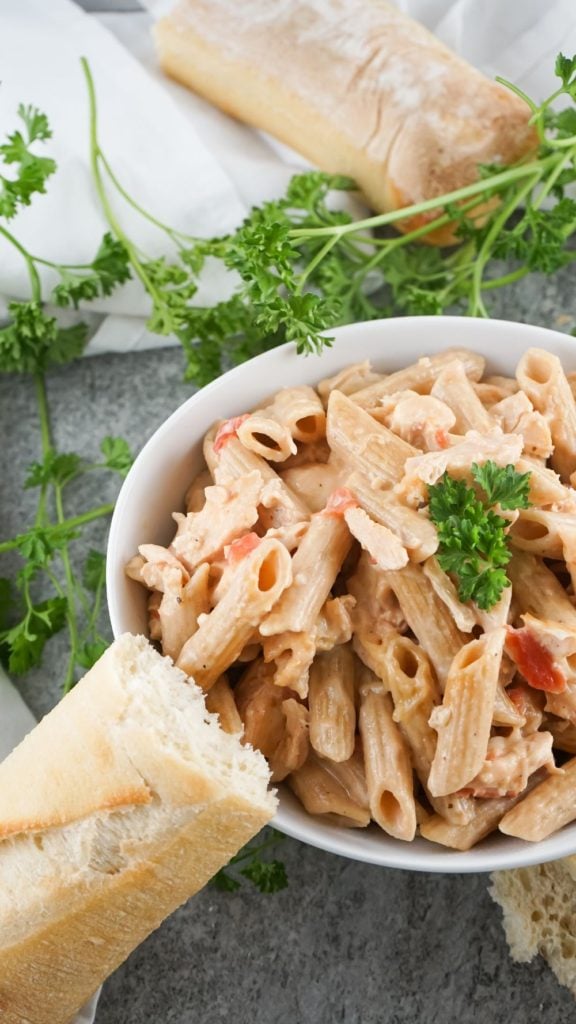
[(473, 544), (267, 876)]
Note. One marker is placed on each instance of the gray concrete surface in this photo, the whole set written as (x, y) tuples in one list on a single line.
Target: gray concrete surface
[(346, 942)]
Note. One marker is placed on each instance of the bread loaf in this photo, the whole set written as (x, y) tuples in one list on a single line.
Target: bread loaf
[(355, 85), (116, 808), (539, 907)]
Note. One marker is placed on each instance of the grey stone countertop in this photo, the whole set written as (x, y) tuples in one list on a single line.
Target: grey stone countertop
[(346, 941)]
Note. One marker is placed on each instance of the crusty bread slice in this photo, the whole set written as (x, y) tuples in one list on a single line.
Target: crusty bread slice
[(356, 86), (120, 804), (539, 907)]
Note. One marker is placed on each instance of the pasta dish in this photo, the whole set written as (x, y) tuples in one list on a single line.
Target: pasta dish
[(374, 583)]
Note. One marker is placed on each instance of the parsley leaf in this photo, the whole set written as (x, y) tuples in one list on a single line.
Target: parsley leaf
[(503, 486), (473, 543), (25, 642), (117, 454), (94, 570), (33, 341), (57, 467), (267, 876), (32, 170), (109, 268)]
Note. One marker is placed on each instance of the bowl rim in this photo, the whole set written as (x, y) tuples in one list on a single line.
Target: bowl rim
[(331, 839)]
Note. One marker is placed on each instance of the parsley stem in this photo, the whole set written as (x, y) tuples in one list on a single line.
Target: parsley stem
[(67, 524), (314, 262), (45, 434), (489, 186), (35, 285), (476, 306), (96, 158)]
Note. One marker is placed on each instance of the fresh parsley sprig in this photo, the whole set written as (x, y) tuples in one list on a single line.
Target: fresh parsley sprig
[(303, 267), (268, 876), (473, 543)]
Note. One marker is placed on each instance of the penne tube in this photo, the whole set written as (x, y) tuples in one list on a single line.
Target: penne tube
[(350, 379), (301, 411), (387, 763), (420, 376), (334, 623), (266, 436), (547, 808), (360, 443), (233, 461), (331, 703), (415, 694), (321, 793), (563, 704), (259, 581), (542, 532), (541, 377), (537, 591), (313, 483), (463, 614), (506, 712), (259, 705), (487, 814), (546, 487), (195, 497), (179, 611), (317, 452), (293, 748), (453, 387), (220, 701), (428, 618), (351, 775), (464, 719), (413, 529), (316, 565)]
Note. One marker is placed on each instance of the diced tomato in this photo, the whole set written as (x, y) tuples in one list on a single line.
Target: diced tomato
[(228, 429), (442, 439), (241, 547), (533, 660), (339, 502)]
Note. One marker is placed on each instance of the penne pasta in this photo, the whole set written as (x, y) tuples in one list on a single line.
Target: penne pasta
[(350, 379), (266, 436), (313, 483), (415, 694), (316, 565), (463, 721), (320, 792), (220, 701), (387, 762), (332, 705), (307, 568), (413, 529), (259, 581), (302, 412), (541, 377), (537, 591), (360, 443), (550, 806), (487, 815), (428, 618), (279, 505), (420, 376), (453, 387)]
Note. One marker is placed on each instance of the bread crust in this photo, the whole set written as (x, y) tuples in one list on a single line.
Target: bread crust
[(394, 109), (121, 804)]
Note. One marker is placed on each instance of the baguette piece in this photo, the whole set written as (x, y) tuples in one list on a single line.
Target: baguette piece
[(118, 806), (356, 86), (539, 907)]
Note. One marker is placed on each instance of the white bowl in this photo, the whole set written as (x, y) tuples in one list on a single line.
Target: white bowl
[(160, 475)]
